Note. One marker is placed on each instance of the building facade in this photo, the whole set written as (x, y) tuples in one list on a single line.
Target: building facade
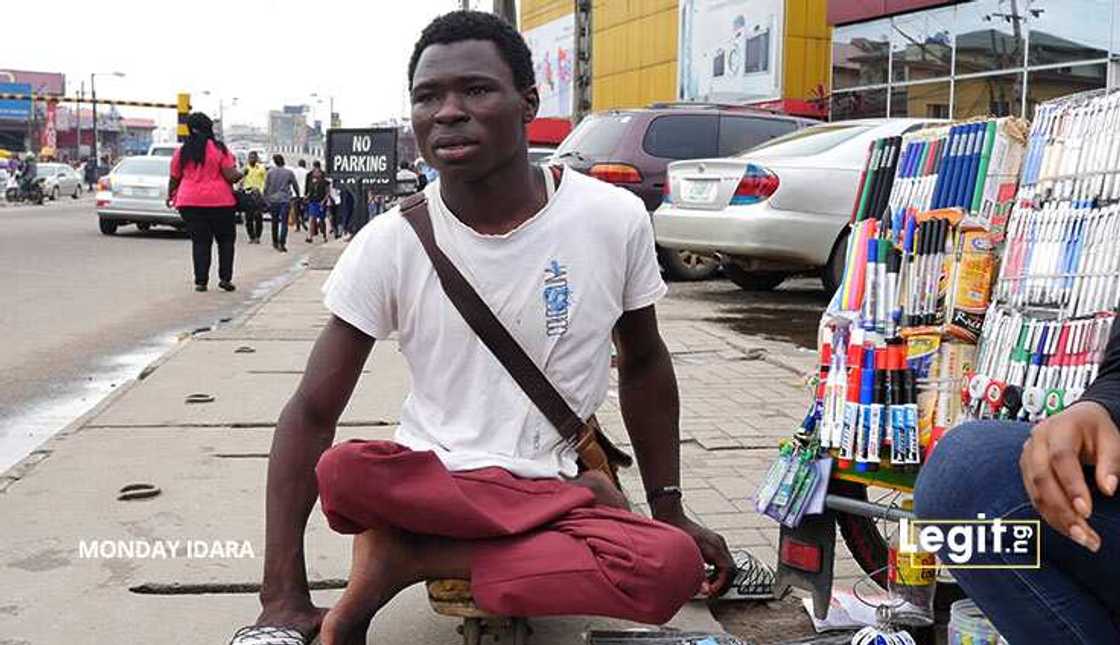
[(945, 59), (21, 122), (770, 53)]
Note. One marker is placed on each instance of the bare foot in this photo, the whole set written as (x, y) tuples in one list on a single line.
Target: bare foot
[(381, 567)]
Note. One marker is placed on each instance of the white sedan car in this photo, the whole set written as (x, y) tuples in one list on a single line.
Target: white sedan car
[(777, 209)]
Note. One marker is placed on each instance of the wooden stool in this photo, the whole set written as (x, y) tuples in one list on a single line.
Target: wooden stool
[(453, 598)]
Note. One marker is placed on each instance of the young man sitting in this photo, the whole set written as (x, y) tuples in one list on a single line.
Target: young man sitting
[(478, 484)]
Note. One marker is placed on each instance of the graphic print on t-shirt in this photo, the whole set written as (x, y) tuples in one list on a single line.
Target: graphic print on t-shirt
[(556, 296)]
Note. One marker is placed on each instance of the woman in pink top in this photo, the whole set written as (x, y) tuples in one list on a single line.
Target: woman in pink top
[(202, 172)]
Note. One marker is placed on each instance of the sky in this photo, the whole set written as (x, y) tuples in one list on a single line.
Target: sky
[(264, 53)]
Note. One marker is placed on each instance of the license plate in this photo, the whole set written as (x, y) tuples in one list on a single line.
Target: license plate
[(699, 190), (139, 192)]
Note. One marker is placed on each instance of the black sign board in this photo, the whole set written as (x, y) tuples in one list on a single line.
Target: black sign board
[(363, 158)]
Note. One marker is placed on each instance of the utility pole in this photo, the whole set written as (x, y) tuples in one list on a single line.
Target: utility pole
[(93, 98), (506, 9), (581, 73), (78, 111)]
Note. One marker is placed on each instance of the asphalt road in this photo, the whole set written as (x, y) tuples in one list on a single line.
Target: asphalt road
[(83, 311)]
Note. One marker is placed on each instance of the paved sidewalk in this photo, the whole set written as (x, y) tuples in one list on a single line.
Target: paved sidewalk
[(739, 397)]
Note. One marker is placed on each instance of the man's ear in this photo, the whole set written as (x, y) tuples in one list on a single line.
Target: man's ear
[(532, 100)]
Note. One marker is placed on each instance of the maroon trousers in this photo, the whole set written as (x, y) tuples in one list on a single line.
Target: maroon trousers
[(541, 545)]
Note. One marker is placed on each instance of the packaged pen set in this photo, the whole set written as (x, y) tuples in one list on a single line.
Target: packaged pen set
[(920, 263), (1058, 287)]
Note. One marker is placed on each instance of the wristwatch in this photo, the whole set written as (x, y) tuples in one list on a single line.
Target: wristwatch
[(663, 491)]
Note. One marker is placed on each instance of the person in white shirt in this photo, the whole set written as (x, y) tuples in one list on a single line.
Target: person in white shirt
[(477, 484), (301, 172)]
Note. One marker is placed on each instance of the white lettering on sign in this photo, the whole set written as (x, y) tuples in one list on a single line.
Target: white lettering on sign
[(359, 163), (362, 144)]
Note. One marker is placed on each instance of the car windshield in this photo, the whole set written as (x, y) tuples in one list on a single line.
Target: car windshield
[(810, 141), (145, 166), (596, 136)]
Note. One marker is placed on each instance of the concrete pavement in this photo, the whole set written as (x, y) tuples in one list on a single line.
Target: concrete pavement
[(740, 394)]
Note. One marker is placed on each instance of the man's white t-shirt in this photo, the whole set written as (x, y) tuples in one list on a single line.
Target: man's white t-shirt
[(558, 282)]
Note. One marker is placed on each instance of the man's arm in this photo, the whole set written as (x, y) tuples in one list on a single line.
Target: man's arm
[(647, 392), (1054, 458), (305, 430), (295, 184)]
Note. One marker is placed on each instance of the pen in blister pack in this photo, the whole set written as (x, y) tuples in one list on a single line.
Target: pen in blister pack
[(866, 398), (851, 416)]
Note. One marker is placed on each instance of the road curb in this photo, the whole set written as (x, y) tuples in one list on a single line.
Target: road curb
[(23, 467)]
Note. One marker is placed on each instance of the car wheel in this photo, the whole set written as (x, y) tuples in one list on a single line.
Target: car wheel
[(54, 194), (144, 226), (832, 274), (107, 226), (753, 280), (686, 265)]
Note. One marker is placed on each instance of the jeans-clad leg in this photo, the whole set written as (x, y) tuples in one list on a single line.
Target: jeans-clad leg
[(1075, 596)]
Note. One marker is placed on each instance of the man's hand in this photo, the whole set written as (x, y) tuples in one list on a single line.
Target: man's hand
[(299, 614), (606, 493), (712, 546), (1052, 465)]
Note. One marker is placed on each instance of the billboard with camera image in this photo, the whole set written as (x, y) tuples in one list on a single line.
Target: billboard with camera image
[(730, 50)]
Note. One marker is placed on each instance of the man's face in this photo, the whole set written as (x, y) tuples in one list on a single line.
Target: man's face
[(468, 116), (253, 159)]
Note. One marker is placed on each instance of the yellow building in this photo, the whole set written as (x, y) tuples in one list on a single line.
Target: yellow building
[(635, 50)]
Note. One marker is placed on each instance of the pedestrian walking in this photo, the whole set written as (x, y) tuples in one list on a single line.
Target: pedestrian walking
[(317, 192), (203, 172), (279, 188), (89, 172), (253, 183), (300, 172), (337, 222)]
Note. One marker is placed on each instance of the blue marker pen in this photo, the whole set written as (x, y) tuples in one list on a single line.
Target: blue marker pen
[(866, 398)]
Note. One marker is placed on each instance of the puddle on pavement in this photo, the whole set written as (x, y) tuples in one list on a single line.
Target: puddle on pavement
[(784, 315), (23, 432)]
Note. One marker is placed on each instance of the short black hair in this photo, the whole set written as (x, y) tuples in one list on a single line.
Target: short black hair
[(458, 26), (278, 160)]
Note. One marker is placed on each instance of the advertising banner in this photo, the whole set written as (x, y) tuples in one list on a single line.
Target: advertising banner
[(15, 109), (553, 45), (49, 133), (730, 50)]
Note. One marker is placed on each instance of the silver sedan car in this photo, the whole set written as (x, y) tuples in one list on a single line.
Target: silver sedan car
[(777, 209), (61, 180), (135, 192)]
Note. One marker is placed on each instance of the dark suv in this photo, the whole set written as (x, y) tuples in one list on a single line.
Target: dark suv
[(631, 148)]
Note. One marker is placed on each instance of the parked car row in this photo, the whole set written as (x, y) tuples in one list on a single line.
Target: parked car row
[(632, 148), (778, 209)]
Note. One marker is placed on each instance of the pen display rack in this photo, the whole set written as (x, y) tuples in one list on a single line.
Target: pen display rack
[(900, 333), (1058, 286)]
